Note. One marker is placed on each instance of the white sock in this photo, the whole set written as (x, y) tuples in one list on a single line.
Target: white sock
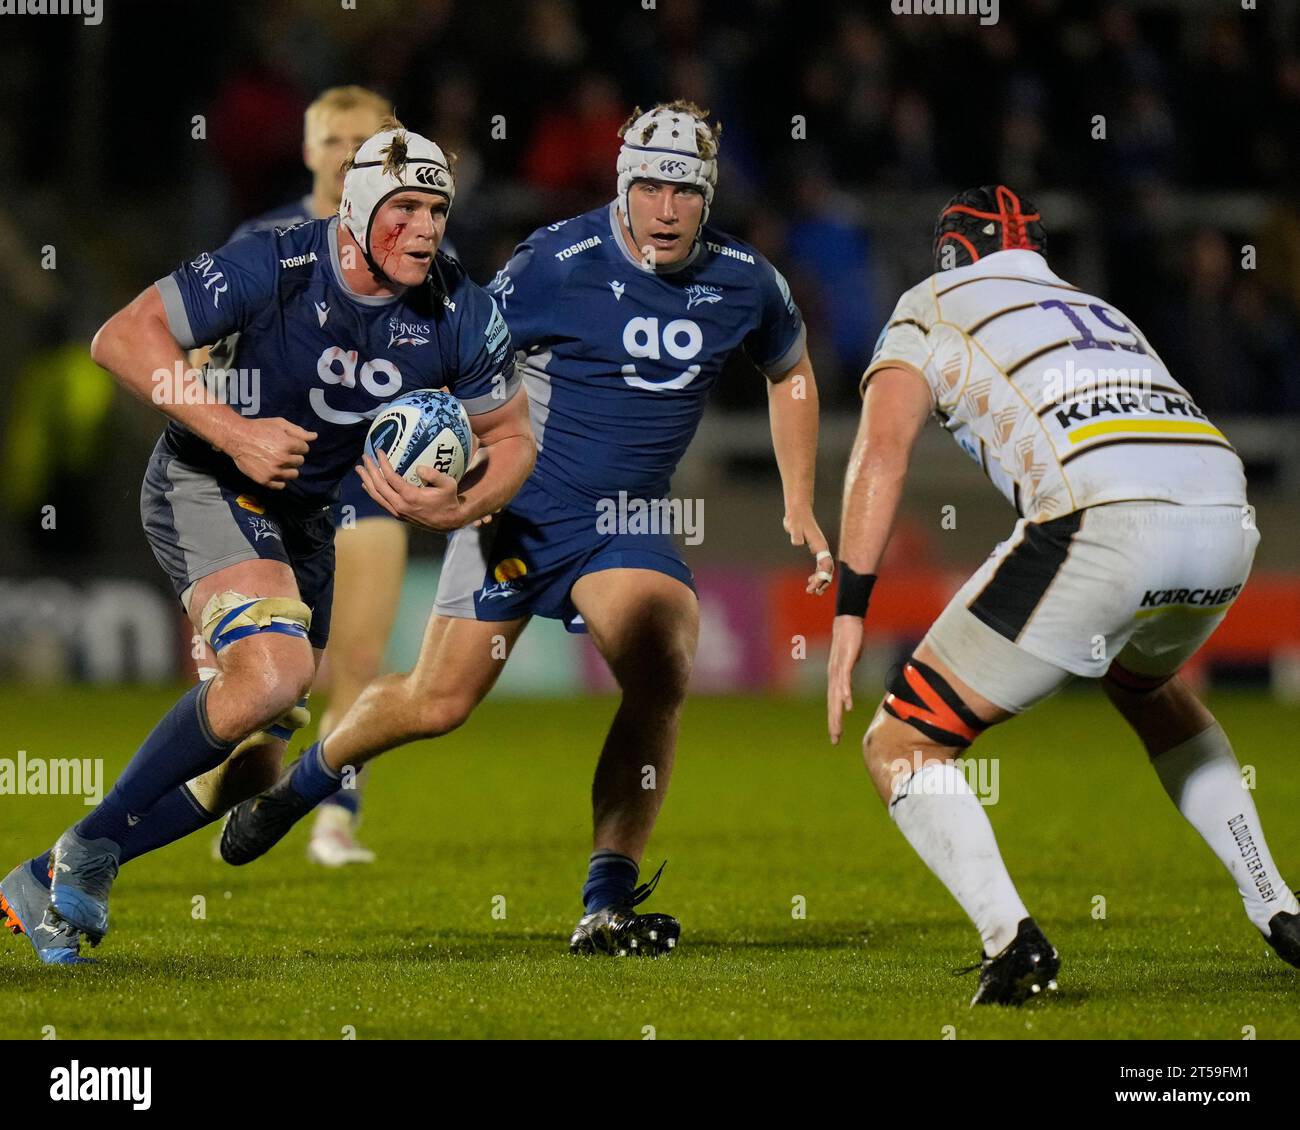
[(946, 825), (1203, 778)]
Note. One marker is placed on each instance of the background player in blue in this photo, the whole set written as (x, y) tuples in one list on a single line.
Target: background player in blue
[(370, 545), (624, 318), (335, 319)]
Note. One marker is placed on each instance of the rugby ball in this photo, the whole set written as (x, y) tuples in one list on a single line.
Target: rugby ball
[(428, 428)]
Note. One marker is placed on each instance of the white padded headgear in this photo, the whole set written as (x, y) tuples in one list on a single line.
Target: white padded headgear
[(664, 145), (366, 185)]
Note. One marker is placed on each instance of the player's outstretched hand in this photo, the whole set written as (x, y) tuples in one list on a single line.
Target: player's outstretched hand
[(846, 647), (270, 451), (435, 506), (804, 530)]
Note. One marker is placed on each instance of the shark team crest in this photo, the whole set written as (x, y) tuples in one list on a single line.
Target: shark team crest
[(697, 294)]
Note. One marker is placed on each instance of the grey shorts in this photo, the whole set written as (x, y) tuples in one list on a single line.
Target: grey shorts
[(197, 525)]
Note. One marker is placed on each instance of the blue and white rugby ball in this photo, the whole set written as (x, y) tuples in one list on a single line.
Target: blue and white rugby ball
[(422, 429)]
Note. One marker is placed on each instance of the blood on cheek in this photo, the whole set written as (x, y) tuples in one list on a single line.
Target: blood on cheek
[(388, 243)]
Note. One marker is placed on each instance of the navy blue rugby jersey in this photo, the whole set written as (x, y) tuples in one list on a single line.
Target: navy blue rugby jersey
[(325, 357), (618, 361)]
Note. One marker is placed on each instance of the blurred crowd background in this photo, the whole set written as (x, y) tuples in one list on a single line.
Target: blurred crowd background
[(846, 128)]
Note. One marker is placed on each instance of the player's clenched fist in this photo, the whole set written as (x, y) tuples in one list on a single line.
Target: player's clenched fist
[(270, 451)]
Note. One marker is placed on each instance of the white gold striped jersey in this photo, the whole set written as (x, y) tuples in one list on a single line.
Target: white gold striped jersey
[(1058, 397)]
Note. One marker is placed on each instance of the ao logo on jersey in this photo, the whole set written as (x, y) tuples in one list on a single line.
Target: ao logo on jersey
[(681, 339), (381, 378)]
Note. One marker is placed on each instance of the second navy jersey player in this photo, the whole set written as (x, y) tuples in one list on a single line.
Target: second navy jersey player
[(619, 360)]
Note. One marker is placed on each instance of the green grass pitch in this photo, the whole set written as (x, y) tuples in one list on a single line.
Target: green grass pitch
[(761, 810)]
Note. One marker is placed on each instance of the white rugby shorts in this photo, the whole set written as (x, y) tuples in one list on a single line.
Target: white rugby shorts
[(1146, 583)]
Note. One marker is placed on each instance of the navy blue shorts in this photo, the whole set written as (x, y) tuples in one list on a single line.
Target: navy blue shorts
[(527, 560), (196, 526), (353, 494)]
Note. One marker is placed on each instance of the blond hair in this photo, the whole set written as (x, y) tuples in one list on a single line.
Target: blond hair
[(708, 135), (340, 98)]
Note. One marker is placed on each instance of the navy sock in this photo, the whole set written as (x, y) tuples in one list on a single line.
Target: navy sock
[(172, 818), (347, 799), (181, 746), (611, 878), (311, 778)]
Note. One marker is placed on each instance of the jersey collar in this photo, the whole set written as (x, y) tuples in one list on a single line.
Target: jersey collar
[(616, 231), (1019, 262)]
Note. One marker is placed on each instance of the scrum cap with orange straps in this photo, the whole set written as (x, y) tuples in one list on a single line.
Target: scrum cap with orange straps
[(983, 220)]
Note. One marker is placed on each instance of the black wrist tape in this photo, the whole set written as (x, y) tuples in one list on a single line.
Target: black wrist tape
[(854, 593)]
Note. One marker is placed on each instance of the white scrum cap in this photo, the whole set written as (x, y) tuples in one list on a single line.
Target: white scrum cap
[(664, 144), (387, 163)]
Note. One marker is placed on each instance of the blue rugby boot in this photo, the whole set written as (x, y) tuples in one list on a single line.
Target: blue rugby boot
[(83, 873), (24, 903)]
